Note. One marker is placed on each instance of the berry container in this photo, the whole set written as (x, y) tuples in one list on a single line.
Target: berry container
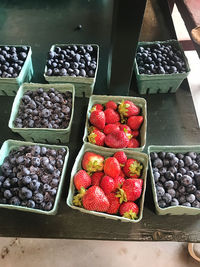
[(102, 99), (142, 157), (172, 210), (160, 83), (9, 86), (44, 135), (84, 86), (13, 144)]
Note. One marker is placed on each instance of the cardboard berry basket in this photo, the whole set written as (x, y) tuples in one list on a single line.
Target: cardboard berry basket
[(172, 210), (8, 146), (160, 83), (143, 158), (45, 135), (9, 86), (102, 99), (84, 86)]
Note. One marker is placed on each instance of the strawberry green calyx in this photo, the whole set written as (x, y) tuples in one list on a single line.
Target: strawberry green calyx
[(77, 199), (121, 195), (135, 168), (130, 215), (123, 108), (91, 138), (128, 134), (94, 166)]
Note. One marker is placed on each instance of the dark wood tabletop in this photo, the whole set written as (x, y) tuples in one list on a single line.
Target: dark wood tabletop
[(171, 117)]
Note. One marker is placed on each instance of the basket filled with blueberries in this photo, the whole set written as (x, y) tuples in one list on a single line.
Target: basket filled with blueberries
[(15, 68), (160, 66), (175, 177), (76, 64), (31, 176), (43, 112)]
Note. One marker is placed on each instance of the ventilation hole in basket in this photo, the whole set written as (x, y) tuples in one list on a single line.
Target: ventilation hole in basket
[(59, 141), (46, 140), (147, 92), (170, 89), (158, 91), (14, 92)]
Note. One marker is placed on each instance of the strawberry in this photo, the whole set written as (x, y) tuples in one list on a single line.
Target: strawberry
[(96, 178), (131, 190), (92, 162), (82, 179), (125, 128), (91, 129), (111, 104), (129, 210), (133, 143), (107, 184), (97, 118), (116, 139), (122, 174), (111, 116), (118, 182), (77, 199), (112, 167), (126, 108), (114, 204), (96, 107), (96, 137), (135, 133), (134, 122), (109, 128), (95, 199), (121, 157), (132, 168)]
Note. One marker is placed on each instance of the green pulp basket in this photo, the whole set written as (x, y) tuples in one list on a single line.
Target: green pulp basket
[(9, 86), (13, 144), (173, 210), (160, 83), (44, 135), (143, 158), (84, 86), (102, 99)]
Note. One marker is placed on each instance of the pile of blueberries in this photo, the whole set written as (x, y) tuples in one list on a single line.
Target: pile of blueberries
[(41, 109), (177, 178), (72, 60), (160, 59), (12, 60), (30, 177)]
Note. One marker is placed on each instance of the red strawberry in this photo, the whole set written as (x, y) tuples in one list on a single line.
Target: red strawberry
[(132, 168), (111, 104), (111, 116), (95, 199), (107, 184), (109, 128), (121, 157), (131, 190), (134, 122), (92, 162), (129, 210), (118, 123), (112, 167), (127, 108), (122, 174), (116, 139), (114, 204), (97, 118), (135, 133), (96, 178), (97, 138), (96, 107), (91, 129), (133, 143), (82, 179), (125, 128), (118, 182)]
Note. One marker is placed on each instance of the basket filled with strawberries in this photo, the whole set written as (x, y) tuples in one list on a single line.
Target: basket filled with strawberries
[(109, 184), (116, 122)]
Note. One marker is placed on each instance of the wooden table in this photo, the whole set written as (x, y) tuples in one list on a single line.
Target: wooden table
[(171, 118)]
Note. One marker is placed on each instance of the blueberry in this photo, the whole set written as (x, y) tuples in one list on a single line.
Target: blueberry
[(190, 198), (25, 193), (174, 161), (156, 176), (45, 113), (182, 171), (192, 155), (153, 155), (2, 178), (49, 168), (158, 163), (194, 167), (169, 184), (186, 204), (48, 206), (162, 170), (15, 201), (172, 169), (34, 185), (31, 204), (7, 194), (181, 163), (160, 191), (190, 173), (187, 160), (186, 180), (35, 161), (178, 176), (180, 155), (82, 73), (46, 187), (172, 192), (182, 199), (182, 189), (169, 175), (26, 180), (38, 198), (54, 182), (63, 72), (162, 179), (161, 155), (174, 202), (6, 183), (162, 204), (197, 194), (91, 73), (167, 198), (196, 204), (176, 185), (191, 188), (166, 162)]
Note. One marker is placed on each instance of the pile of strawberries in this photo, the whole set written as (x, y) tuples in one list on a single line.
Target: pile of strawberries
[(116, 126), (110, 185)]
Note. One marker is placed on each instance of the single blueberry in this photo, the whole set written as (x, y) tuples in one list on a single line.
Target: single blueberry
[(174, 202)]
